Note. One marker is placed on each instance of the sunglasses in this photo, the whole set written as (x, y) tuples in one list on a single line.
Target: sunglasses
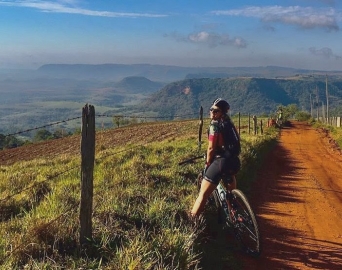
[(214, 110)]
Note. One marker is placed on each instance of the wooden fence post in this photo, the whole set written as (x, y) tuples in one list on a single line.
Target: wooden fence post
[(200, 129), (261, 128), (255, 125), (249, 124), (87, 168), (239, 123)]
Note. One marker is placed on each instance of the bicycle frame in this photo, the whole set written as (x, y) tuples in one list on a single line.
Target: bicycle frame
[(221, 194)]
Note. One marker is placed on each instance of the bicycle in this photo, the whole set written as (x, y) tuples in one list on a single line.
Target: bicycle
[(237, 212), (279, 123)]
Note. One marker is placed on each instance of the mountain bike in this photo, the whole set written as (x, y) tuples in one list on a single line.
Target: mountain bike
[(279, 123), (235, 212)]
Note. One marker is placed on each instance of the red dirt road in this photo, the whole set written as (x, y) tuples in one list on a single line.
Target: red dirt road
[(298, 202)]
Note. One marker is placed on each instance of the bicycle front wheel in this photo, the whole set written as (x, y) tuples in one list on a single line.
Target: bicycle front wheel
[(245, 225)]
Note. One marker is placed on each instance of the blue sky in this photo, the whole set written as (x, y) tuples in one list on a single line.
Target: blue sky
[(292, 33)]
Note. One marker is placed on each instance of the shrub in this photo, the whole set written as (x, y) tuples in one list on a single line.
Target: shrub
[(302, 116)]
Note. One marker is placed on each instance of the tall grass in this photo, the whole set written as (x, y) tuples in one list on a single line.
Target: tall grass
[(141, 200), (334, 132)]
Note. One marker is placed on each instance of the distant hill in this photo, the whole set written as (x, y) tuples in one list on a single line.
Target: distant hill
[(165, 73), (138, 85), (245, 95), (128, 91)]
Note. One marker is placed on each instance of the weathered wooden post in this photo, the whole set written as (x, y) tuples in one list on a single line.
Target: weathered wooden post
[(87, 168), (255, 124), (200, 129), (239, 123), (261, 128), (249, 124)]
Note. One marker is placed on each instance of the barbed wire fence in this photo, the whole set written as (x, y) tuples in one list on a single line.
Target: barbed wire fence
[(88, 156), (51, 177)]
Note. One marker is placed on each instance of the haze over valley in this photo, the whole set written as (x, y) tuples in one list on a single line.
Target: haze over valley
[(31, 98)]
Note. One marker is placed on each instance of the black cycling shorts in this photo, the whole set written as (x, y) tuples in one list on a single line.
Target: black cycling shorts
[(222, 167)]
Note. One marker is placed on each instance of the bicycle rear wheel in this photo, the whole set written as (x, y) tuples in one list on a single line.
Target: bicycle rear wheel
[(245, 225)]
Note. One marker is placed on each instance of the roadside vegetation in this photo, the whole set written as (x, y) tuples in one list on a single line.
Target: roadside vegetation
[(334, 132), (141, 200), (292, 112)]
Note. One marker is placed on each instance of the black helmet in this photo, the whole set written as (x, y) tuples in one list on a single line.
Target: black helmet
[(222, 104)]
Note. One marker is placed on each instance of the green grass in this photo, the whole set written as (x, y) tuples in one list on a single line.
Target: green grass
[(141, 200), (334, 132)]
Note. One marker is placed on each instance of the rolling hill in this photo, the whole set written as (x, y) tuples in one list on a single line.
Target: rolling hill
[(245, 95)]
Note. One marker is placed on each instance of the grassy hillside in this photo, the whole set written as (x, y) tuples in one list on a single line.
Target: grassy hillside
[(141, 200), (245, 95)]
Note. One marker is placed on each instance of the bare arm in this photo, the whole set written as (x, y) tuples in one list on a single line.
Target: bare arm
[(211, 149)]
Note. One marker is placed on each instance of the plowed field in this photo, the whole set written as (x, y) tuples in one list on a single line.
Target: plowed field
[(298, 201), (137, 134)]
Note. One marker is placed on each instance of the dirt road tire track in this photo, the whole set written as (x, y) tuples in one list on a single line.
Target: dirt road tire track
[(297, 198)]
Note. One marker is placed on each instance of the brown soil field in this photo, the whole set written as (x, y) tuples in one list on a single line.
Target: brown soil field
[(297, 198), (137, 134)]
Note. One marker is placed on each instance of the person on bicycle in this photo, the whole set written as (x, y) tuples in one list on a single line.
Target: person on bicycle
[(222, 158), (280, 115)]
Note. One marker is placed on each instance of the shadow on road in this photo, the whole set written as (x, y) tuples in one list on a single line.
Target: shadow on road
[(282, 246)]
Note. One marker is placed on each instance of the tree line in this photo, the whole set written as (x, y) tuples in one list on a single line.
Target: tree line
[(11, 141), (290, 111)]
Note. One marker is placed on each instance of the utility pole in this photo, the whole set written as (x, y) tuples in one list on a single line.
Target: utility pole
[(311, 105), (317, 103), (326, 92)]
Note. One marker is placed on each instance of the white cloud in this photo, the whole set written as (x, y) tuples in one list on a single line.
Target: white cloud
[(212, 40), (69, 6), (303, 17), (324, 52)]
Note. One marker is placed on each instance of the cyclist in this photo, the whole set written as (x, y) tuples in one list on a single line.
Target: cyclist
[(222, 154), (280, 116)]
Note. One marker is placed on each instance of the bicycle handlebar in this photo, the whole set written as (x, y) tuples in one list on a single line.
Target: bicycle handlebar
[(190, 160)]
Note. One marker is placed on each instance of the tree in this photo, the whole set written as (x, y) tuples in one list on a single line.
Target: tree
[(60, 133), (303, 116), (9, 142), (291, 110), (117, 120), (43, 135), (2, 141)]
